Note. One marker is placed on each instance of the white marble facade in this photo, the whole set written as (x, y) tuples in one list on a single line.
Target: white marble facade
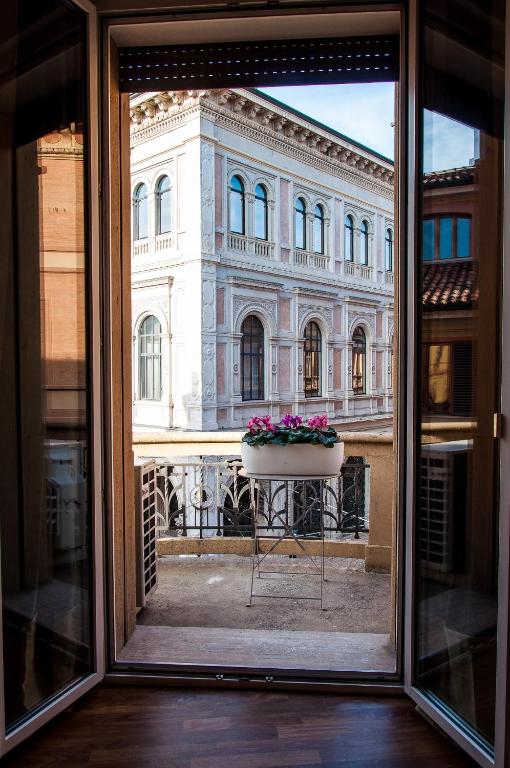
[(200, 280)]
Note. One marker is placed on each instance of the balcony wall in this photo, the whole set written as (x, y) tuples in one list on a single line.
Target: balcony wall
[(377, 450)]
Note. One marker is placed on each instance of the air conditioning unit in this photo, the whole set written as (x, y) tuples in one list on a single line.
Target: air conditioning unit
[(443, 505), (145, 521)]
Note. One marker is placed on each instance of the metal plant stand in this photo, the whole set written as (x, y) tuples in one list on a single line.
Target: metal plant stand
[(288, 508)]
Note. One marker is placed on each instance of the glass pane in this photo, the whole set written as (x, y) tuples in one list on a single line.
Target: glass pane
[(457, 509), (364, 247), (428, 240), (44, 388), (318, 236), (246, 378), (236, 212), (463, 238), (165, 212), (445, 238), (348, 243), (299, 229), (157, 377), (438, 376), (260, 219)]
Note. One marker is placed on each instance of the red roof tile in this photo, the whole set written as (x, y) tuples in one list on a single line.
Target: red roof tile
[(450, 285)]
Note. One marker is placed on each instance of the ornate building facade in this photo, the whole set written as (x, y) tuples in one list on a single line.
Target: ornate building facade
[(262, 264)]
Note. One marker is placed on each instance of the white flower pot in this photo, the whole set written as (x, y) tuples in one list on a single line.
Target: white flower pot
[(300, 460)]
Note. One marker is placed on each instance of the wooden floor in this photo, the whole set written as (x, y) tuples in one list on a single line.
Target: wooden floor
[(118, 727), (261, 648)]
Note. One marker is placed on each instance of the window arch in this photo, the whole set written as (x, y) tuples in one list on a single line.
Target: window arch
[(300, 224), (149, 359), (163, 206), (318, 229), (252, 359), (140, 213), (388, 251), (312, 360), (237, 205), (261, 219), (364, 242), (349, 238), (359, 361)]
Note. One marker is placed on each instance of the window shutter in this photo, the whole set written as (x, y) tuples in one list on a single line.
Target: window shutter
[(462, 378), (260, 63)]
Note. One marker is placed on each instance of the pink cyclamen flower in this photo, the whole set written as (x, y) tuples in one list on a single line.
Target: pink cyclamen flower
[(291, 421), (318, 422), (261, 424)]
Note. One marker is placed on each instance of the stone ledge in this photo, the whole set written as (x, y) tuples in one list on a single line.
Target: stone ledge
[(233, 545)]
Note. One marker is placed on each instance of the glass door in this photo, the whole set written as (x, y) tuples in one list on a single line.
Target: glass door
[(50, 476), (457, 288)]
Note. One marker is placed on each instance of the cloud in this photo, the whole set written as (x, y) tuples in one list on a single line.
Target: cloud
[(363, 112), (447, 143)]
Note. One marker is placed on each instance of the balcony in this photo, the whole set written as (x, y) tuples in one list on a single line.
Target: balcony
[(152, 245), (243, 244), (388, 278), (363, 271), (310, 259), (202, 501), (204, 546)]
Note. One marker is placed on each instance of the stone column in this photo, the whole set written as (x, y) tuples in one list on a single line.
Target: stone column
[(309, 231), (249, 201), (274, 395), (329, 245), (235, 344), (330, 391), (348, 378), (273, 368), (271, 207), (299, 378)]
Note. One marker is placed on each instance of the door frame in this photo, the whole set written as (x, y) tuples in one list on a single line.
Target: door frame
[(75, 690), (118, 350)]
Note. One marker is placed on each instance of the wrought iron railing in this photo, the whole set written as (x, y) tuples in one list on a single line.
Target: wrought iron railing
[(211, 497)]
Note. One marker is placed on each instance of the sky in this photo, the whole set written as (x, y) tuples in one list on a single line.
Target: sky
[(364, 112)]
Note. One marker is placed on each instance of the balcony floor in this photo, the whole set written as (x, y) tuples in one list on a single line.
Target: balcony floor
[(198, 615)]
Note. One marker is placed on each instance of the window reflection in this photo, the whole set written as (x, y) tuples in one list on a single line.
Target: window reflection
[(457, 512), (45, 515)]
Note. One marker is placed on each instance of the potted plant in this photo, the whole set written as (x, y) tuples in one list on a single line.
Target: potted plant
[(292, 448)]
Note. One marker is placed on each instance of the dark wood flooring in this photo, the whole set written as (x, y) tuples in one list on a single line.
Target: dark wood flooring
[(133, 727)]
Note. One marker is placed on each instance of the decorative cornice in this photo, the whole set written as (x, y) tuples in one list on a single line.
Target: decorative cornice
[(257, 285), (286, 270), (316, 293), (242, 112)]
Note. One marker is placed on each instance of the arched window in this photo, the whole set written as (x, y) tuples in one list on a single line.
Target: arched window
[(359, 361), (261, 229), (237, 205), (388, 250), (149, 359), (349, 238), (364, 242), (163, 206), (252, 359), (318, 229), (300, 223), (140, 218), (312, 360)]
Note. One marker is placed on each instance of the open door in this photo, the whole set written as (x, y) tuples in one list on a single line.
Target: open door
[(454, 507), (51, 530)]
